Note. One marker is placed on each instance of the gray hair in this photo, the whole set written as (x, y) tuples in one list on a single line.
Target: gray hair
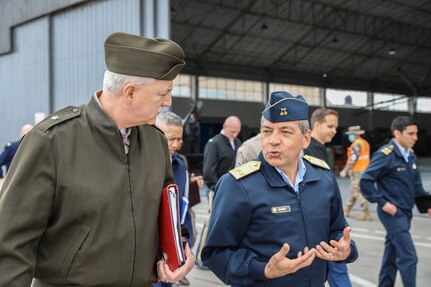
[(167, 118), (113, 83), (304, 125)]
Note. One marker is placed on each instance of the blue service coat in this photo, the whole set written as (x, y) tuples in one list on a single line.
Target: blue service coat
[(246, 230), (180, 176), (7, 155), (398, 182)]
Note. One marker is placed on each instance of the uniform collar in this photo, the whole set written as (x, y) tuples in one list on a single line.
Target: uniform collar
[(97, 113), (397, 149), (275, 179), (404, 152)]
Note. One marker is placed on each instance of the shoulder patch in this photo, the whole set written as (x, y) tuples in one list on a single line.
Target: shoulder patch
[(317, 161), (58, 117), (387, 150), (245, 169)]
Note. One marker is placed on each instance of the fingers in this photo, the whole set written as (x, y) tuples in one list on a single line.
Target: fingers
[(305, 260), (161, 275), (280, 255), (174, 276)]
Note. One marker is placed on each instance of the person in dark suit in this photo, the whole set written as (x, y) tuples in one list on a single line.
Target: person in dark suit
[(10, 149), (80, 204), (219, 157), (271, 223), (324, 124), (220, 152), (392, 180)]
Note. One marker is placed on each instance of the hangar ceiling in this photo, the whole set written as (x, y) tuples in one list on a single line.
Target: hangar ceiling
[(355, 44)]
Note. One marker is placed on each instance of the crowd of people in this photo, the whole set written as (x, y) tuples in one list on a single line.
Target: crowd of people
[(79, 205)]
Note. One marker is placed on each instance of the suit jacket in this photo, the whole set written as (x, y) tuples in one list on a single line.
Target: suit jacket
[(219, 158), (76, 210)]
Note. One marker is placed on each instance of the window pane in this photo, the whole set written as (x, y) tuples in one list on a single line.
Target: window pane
[(182, 86), (390, 102), (345, 98), (311, 94), (230, 89), (423, 105)]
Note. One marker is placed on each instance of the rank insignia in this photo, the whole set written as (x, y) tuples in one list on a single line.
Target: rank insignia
[(245, 169)]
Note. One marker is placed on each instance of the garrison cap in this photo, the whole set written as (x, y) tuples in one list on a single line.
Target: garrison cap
[(283, 107), (134, 55)]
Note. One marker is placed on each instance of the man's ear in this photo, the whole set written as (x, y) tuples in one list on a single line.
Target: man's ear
[(306, 140), (129, 91), (397, 133)]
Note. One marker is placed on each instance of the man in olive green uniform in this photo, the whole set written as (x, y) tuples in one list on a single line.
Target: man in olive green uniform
[(80, 204)]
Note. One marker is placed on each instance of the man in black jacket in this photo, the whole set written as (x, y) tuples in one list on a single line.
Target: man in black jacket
[(324, 124), (219, 158), (220, 152)]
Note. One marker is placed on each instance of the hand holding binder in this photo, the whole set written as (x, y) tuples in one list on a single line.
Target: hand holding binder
[(170, 227)]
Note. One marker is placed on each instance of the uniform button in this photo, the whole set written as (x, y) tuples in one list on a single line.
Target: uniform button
[(75, 110)]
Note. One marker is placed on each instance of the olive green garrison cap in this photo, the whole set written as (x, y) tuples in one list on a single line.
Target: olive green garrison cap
[(134, 55)]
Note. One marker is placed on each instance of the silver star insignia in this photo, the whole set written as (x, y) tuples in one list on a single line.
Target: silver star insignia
[(55, 118)]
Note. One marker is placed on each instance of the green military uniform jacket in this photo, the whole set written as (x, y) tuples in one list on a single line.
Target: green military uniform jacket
[(75, 210)]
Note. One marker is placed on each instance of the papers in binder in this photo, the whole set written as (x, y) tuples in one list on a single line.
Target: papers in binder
[(184, 209), (170, 227)]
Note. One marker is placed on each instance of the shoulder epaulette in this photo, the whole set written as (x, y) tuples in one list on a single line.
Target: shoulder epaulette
[(317, 162), (245, 169), (387, 150), (58, 117)]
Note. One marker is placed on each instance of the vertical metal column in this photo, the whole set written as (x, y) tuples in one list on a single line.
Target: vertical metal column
[(156, 18), (148, 18), (163, 19)]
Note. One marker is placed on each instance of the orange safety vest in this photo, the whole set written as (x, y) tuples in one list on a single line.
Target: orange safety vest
[(364, 157)]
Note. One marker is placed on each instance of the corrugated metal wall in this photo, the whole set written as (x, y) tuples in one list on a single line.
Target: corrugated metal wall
[(77, 35), (24, 84), (78, 55)]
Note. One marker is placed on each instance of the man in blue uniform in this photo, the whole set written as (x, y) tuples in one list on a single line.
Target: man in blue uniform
[(10, 149), (278, 220), (172, 126), (393, 168)]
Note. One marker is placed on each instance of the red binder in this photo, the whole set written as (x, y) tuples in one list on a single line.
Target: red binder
[(170, 227)]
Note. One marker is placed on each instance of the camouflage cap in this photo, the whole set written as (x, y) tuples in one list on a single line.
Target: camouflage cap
[(134, 55), (283, 107)]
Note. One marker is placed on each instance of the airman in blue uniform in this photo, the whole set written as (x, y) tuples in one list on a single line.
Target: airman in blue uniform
[(393, 168), (10, 149), (277, 220)]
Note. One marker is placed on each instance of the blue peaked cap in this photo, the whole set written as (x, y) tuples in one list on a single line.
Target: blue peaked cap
[(283, 107)]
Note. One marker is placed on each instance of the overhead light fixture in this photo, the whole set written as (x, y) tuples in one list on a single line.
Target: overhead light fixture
[(392, 52), (264, 26), (325, 75), (335, 40)]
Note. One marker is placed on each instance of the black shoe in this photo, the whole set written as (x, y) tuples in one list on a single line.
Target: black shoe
[(201, 266), (184, 282)]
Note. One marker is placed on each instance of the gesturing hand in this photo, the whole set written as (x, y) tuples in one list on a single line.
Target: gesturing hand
[(337, 250), (279, 265)]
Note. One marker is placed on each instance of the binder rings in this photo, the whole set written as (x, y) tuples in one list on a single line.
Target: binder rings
[(170, 227)]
